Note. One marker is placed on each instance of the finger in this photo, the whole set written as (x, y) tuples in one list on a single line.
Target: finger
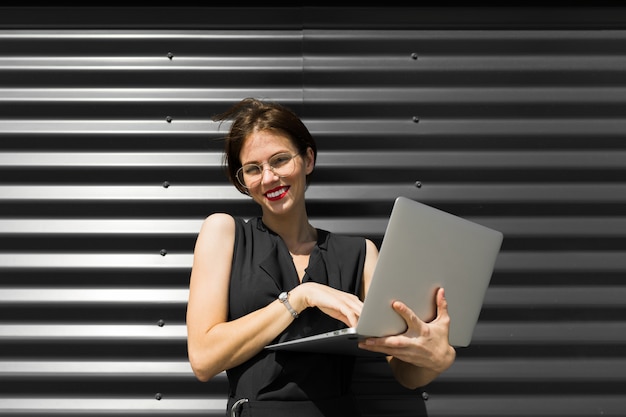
[(402, 309), (442, 303), (345, 315), (390, 345), (352, 318), (407, 314)]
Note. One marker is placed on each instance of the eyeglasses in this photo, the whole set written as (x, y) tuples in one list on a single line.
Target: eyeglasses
[(281, 164)]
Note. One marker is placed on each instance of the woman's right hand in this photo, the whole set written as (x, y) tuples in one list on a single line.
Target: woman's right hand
[(335, 303)]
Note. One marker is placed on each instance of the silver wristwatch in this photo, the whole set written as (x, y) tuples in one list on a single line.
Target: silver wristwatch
[(284, 298)]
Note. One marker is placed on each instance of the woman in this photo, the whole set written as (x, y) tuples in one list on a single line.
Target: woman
[(276, 277)]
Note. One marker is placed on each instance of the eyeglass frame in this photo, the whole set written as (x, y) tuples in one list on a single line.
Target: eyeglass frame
[(262, 168)]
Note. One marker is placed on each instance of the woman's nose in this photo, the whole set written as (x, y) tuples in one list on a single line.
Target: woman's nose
[(268, 174)]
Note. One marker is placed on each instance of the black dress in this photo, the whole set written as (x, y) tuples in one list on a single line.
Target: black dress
[(280, 383)]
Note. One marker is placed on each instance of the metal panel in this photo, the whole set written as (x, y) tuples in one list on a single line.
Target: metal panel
[(510, 117)]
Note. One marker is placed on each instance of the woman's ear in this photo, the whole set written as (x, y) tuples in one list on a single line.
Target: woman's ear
[(309, 160)]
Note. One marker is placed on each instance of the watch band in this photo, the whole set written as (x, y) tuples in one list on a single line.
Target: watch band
[(284, 298)]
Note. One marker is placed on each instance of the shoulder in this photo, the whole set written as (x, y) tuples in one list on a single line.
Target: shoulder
[(218, 222), (371, 247), (217, 226), (216, 237), (346, 242), (350, 245)]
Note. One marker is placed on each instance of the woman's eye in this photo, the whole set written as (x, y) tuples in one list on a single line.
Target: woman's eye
[(251, 169), (280, 160)]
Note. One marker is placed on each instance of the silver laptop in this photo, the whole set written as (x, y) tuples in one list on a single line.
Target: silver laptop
[(423, 248)]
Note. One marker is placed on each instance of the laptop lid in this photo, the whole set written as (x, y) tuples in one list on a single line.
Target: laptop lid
[(423, 248)]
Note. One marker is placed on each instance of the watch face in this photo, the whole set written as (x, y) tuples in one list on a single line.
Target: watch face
[(283, 296)]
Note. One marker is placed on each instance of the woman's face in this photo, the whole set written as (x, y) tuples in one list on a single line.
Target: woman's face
[(278, 191)]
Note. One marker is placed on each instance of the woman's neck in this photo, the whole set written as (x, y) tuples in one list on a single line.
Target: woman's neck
[(297, 233)]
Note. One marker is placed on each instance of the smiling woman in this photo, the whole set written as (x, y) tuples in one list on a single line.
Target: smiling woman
[(276, 277)]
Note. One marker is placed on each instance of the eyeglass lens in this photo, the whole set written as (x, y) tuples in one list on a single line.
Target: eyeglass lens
[(280, 164)]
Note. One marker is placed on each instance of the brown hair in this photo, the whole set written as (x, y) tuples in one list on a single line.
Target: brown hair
[(250, 115)]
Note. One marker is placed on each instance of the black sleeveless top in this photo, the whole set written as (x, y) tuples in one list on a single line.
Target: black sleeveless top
[(262, 268)]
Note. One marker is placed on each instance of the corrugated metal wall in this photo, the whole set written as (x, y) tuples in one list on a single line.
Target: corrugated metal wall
[(108, 163)]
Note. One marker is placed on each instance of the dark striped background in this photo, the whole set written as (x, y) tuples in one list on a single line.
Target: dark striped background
[(513, 118)]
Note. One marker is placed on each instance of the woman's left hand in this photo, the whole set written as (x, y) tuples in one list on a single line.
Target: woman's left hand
[(423, 344)]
